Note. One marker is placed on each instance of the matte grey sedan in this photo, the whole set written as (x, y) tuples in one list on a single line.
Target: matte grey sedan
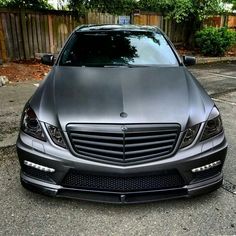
[(120, 119)]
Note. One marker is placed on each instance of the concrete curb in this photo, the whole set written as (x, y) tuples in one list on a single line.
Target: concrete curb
[(206, 60)]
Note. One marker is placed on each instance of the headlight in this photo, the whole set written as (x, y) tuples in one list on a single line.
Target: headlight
[(31, 125), (212, 128), (55, 135), (189, 135)]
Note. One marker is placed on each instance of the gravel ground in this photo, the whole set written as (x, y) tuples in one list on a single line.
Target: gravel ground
[(26, 213)]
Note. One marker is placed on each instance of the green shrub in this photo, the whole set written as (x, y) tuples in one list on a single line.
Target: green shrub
[(215, 41)]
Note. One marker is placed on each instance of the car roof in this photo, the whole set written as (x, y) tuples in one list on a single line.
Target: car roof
[(110, 27)]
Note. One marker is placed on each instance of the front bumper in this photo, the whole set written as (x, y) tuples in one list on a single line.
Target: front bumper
[(122, 197), (63, 162)]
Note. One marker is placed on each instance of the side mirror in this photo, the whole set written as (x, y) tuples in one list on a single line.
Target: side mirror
[(48, 59), (189, 61)]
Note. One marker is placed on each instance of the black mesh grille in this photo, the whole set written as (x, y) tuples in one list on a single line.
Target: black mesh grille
[(123, 144), (74, 179)]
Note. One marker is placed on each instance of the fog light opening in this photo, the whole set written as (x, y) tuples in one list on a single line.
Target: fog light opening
[(39, 167), (206, 167)]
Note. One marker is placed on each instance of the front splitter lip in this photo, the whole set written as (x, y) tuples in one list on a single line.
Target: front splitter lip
[(191, 190)]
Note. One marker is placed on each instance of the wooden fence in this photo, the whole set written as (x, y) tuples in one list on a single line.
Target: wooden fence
[(179, 33), (100, 18), (232, 21), (176, 32), (24, 33), (148, 18)]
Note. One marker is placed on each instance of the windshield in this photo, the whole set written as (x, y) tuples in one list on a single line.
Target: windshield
[(118, 48)]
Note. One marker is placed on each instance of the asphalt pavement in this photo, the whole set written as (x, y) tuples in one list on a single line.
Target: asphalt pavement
[(25, 213)]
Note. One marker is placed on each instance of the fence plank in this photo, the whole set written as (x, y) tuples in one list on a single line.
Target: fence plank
[(34, 34), (6, 35), (63, 29), (19, 37), (70, 23), (46, 27), (3, 51), (14, 37), (55, 34), (58, 33), (74, 24), (42, 29), (30, 35), (39, 35), (25, 35), (67, 27), (11, 40), (50, 29)]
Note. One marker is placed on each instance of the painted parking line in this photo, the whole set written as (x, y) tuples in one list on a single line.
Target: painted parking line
[(223, 101), (222, 75)]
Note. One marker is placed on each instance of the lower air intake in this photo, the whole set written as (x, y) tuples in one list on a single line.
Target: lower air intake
[(170, 179)]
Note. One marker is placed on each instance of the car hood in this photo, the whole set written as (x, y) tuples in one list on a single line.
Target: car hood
[(99, 95)]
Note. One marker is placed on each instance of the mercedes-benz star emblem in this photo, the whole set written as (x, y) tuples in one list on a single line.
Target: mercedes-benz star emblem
[(124, 128)]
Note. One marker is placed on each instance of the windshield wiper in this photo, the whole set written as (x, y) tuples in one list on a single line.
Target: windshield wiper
[(107, 65), (124, 65), (116, 65), (104, 65)]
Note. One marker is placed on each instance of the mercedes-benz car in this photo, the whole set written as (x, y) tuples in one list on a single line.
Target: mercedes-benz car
[(120, 119)]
